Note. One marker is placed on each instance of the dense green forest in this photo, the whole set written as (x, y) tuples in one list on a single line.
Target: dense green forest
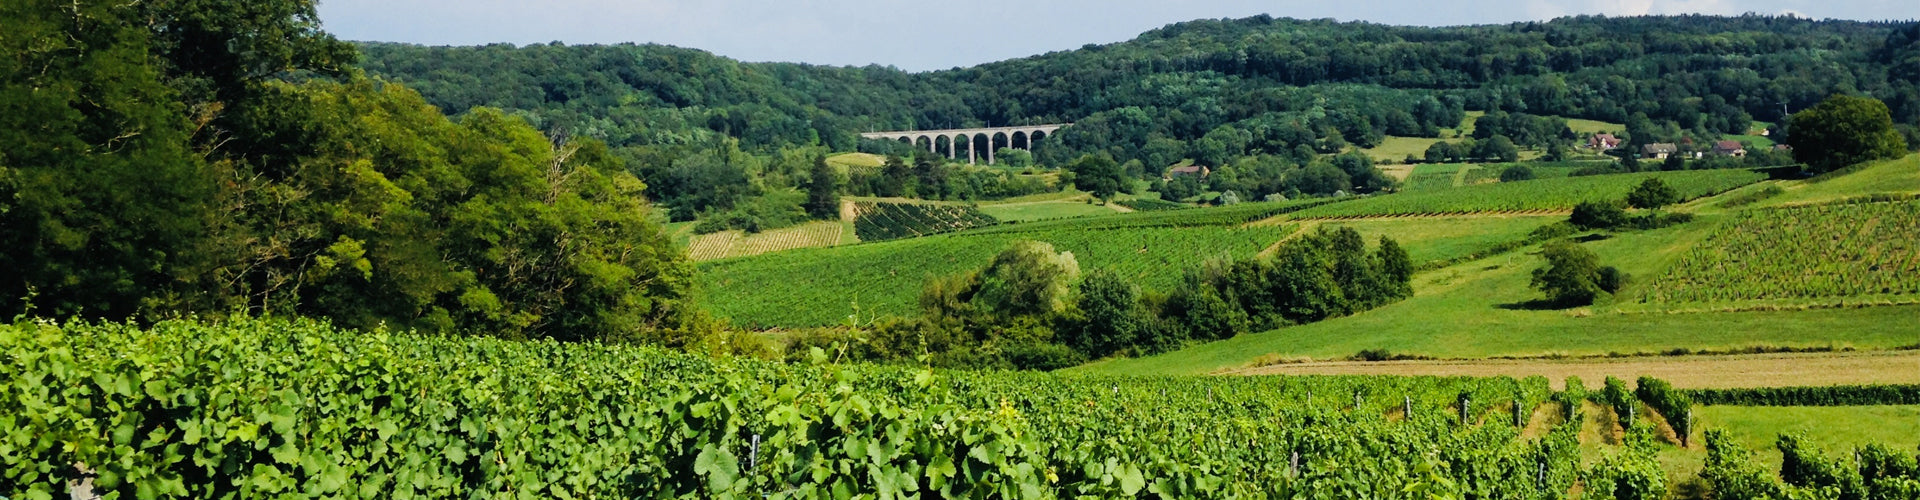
[(1268, 98), (1261, 76)]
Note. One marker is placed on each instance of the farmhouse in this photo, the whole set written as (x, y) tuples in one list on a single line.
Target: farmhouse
[(1659, 151), (1603, 142), (1729, 148)]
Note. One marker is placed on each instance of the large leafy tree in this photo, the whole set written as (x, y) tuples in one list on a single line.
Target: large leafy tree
[(200, 157), (1099, 175), (823, 190), (1573, 275), (1844, 130), (103, 204)]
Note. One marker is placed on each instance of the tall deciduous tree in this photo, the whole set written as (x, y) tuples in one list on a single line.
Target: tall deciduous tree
[(823, 191), (1573, 275), (1844, 130), (1098, 174)]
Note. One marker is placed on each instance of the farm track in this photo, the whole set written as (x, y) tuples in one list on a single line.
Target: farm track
[(1690, 372)]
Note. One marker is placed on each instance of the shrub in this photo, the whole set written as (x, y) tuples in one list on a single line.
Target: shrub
[(1516, 173), (1653, 193), (1598, 215)]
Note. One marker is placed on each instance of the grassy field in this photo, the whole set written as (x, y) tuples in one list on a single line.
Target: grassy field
[(862, 160), (1396, 149), (1447, 238), (1042, 210), (1585, 127), (1534, 195), (817, 287), (1754, 141), (1900, 177), (1837, 429), (1482, 309)]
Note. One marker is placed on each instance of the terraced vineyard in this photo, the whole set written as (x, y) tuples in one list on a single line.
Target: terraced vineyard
[(879, 221), (1825, 251), (1538, 195), (815, 287)]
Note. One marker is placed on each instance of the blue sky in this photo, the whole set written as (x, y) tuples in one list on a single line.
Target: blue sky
[(918, 35)]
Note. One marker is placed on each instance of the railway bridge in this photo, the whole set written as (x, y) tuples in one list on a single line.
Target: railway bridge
[(973, 140)]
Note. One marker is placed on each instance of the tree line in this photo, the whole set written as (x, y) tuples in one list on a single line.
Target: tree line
[(1033, 307)]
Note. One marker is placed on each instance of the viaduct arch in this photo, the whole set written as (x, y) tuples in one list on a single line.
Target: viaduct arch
[(975, 139)]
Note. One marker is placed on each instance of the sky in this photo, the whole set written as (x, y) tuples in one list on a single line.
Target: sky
[(923, 36)]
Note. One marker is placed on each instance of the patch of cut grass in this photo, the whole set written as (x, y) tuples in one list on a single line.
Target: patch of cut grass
[(862, 160), (1581, 126)]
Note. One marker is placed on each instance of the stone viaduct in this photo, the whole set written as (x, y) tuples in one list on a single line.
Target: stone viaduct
[(974, 140)]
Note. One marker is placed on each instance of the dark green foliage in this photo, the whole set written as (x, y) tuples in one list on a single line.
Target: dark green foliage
[(1516, 173), (1846, 395), (823, 191), (1523, 129), (1099, 175), (1113, 316), (1361, 173), (1573, 275), (1498, 149), (887, 221), (182, 158), (104, 203), (1844, 130), (1211, 90), (1653, 193), (1317, 276), (1151, 205), (1677, 161)]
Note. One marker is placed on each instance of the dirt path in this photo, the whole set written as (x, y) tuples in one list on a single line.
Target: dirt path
[(1690, 372)]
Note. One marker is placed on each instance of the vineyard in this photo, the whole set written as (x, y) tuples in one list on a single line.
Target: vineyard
[(730, 244), (274, 409), (1530, 196), (1801, 253), (259, 408), (879, 221), (817, 287)]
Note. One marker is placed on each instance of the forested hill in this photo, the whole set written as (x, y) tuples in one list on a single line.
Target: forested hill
[(1270, 81)]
